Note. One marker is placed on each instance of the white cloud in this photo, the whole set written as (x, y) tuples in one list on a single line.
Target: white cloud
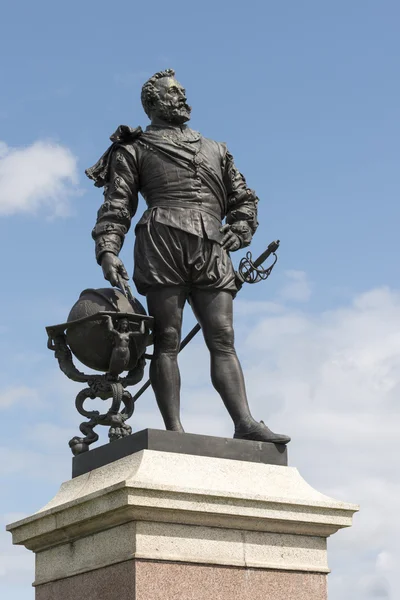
[(3, 149), (385, 561), (297, 288), (17, 395), (40, 176), (16, 564)]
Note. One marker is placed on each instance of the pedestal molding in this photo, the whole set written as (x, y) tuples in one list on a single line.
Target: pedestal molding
[(192, 490), (182, 509), (182, 543)]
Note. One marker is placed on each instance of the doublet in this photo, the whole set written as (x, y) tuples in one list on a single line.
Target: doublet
[(189, 183)]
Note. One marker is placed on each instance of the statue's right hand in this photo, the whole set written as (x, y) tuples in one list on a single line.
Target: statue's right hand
[(112, 268)]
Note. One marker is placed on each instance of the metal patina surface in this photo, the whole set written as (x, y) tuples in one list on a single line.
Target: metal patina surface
[(199, 210)]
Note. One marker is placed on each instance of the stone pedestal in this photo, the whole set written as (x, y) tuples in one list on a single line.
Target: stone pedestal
[(157, 525)]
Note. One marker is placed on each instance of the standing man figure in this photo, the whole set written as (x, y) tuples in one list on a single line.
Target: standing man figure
[(190, 184)]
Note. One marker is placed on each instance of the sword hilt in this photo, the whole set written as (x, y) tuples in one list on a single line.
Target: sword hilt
[(272, 248), (252, 271)]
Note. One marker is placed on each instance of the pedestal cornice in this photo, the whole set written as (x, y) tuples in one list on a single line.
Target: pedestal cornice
[(161, 487)]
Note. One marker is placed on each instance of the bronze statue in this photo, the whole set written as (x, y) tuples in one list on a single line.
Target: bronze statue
[(190, 185)]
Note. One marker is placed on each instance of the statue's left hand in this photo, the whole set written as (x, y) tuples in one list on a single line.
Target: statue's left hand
[(230, 241)]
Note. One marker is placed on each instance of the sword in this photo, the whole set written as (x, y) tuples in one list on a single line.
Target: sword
[(249, 272)]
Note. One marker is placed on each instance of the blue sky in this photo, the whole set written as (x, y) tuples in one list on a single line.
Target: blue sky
[(306, 94)]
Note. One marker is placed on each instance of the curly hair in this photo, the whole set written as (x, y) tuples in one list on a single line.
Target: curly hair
[(149, 91)]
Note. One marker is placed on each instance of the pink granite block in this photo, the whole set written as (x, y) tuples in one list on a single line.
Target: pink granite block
[(161, 580), (184, 581), (116, 582)]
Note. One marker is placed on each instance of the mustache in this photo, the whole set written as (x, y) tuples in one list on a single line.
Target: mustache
[(170, 106), (181, 106), (184, 104)]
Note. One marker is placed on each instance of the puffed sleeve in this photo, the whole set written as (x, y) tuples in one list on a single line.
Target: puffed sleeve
[(120, 202), (242, 202)]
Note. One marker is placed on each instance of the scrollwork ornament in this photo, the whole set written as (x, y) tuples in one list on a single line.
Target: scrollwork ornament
[(124, 334)]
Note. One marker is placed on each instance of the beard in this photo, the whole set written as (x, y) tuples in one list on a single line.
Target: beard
[(172, 113)]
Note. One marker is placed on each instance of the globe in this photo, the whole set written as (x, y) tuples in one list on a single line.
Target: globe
[(90, 340)]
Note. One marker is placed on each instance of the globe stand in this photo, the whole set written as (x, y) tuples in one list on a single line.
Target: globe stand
[(104, 387), (103, 337)]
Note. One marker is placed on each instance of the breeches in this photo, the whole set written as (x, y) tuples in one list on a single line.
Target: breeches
[(166, 256)]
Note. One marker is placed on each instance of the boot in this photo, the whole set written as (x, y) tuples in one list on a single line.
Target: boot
[(259, 432)]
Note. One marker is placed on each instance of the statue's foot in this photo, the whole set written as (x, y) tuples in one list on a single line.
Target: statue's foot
[(259, 432), (177, 428)]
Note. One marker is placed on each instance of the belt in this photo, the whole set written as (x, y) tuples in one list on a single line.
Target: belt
[(189, 205)]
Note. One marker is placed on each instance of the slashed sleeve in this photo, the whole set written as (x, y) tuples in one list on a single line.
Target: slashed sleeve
[(242, 202), (120, 202)]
